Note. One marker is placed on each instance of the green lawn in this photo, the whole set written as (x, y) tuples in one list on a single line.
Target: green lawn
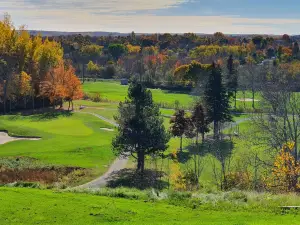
[(30, 206), (113, 91), (74, 140)]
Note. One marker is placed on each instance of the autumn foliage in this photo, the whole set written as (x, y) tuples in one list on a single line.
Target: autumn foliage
[(33, 67), (61, 83), (285, 172)]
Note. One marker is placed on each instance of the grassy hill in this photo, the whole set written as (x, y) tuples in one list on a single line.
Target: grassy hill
[(30, 206)]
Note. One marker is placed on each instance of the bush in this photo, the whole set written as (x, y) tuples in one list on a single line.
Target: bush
[(128, 193), (86, 96), (24, 185), (238, 180), (96, 97)]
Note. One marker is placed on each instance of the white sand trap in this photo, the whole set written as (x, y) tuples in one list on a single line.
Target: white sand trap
[(4, 138), (246, 100), (107, 129)]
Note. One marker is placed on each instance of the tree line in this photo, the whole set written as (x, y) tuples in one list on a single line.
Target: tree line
[(33, 70)]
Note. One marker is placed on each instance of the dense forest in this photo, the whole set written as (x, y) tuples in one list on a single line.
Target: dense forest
[(33, 71), (159, 60)]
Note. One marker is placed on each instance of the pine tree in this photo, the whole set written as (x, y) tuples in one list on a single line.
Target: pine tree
[(200, 121), (216, 100), (141, 131), (178, 126), (296, 50), (232, 79)]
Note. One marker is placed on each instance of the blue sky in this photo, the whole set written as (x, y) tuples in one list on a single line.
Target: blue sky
[(174, 16)]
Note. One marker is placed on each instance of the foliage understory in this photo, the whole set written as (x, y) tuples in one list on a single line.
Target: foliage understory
[(129, 206)]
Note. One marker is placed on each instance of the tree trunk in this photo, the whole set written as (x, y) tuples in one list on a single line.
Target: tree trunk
[(83, 73), (60, 103), (197, 137), (216, 129), (181, 143), (5, 96), (141, 161), (253, 98), (72, 105), (244, 99), (69, 105), (235, 99), (203, 137), (33, 106)]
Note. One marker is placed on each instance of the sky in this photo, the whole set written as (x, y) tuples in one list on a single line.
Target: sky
[(157, 16)]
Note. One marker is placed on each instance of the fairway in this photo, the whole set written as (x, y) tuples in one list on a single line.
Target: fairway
[(29, 206), (67, 140), (115, 92)]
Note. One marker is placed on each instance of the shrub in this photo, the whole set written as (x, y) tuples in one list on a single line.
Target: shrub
[(238, 180), (96, 97), (24, 185), (86, 96)]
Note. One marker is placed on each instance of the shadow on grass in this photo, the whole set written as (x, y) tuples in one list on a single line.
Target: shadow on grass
[(41, 115), (217, 148), (132, 179), (50, 115), (183, 156)]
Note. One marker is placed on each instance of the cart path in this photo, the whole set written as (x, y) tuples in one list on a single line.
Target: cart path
[(119, 163)]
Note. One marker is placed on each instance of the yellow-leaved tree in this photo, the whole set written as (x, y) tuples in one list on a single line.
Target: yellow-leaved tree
[(285, 172)]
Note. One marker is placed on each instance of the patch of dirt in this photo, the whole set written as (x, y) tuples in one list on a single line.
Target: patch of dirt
[(246, 100), (5, 138), (43, 175), (107, 129)]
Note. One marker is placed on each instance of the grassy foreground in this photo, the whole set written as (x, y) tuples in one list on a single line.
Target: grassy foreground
[(31, 206)]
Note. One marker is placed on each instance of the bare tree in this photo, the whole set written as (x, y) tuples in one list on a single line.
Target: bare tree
[(280, 124), (250, 79)]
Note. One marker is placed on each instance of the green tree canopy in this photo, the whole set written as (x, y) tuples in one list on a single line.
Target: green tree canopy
[(141, 131), (217, 100), (117, 50)]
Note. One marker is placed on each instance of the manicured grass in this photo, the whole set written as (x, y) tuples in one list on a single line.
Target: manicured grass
[(73, 140), (30, 206), (113, 91)]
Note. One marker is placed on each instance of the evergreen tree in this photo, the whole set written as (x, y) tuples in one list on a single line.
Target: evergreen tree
[(296, 50), (232, 79), (179, 124), (200, 121), (141, 131), (216, 100)]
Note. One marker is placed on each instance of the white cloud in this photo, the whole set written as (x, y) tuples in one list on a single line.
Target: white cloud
[(115, 16), (91, 6)]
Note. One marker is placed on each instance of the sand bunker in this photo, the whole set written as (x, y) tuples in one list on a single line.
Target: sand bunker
[(107, 129), (246, 100), (4, 138)]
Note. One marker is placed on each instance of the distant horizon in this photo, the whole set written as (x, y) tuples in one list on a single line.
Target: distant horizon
[(138, 33), (273, 17)]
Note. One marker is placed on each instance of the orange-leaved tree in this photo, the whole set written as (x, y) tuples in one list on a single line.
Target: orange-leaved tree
[(285, 172), (73, 88), (61, 84)]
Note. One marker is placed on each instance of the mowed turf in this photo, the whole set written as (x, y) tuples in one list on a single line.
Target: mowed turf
[(66, 139), (30, 206), (113, 91)]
